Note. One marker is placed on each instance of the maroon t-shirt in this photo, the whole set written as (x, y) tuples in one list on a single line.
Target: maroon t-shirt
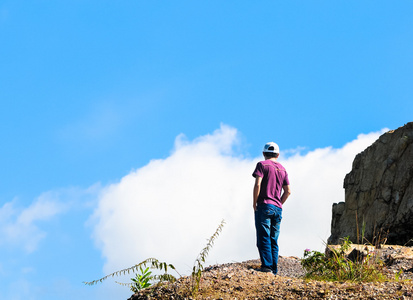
[(274, 177)]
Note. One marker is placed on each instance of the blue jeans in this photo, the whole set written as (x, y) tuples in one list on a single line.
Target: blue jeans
[(267, 223)]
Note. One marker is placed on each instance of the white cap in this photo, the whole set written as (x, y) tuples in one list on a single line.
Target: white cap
[(271, 147)]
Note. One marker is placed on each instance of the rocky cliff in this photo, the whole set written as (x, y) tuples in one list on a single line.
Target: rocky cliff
[(379, 193)]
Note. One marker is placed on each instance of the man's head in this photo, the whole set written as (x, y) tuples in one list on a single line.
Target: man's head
[(271, 150)]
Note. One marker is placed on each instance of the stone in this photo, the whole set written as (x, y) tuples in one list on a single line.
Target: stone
[(378, 203)]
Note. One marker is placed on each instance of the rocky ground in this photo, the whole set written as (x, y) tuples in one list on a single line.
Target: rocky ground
[(242, 281)]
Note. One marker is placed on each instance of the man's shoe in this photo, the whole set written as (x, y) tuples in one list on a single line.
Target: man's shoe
[(265, 270)]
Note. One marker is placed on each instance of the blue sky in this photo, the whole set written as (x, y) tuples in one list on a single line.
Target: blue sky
[(98, 97)]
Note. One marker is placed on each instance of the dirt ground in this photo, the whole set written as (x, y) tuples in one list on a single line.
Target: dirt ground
[(243, 281)]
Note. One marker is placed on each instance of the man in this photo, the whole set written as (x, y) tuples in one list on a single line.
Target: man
[(270, 179)]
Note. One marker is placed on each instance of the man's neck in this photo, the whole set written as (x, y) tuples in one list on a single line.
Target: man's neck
[(274, 159)]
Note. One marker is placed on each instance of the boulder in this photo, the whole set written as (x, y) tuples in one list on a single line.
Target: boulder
[(378, 203)]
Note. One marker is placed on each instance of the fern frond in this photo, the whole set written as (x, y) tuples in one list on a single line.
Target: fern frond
[(124, 284), (204, 253), (198, 265), (153, 262)]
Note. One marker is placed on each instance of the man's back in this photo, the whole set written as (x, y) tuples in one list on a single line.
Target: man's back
[(274, 177)]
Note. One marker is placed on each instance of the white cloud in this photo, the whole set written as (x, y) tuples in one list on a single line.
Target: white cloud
[(168, 208), (19, 226)]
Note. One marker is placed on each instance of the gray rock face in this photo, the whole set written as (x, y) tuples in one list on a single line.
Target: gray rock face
[(379, 193)]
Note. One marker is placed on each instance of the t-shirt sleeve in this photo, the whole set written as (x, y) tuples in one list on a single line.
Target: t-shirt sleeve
[(286, 180), (259, 170)]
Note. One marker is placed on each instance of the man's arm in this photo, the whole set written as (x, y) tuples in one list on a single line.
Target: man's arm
[(286, 193), (256, 192)]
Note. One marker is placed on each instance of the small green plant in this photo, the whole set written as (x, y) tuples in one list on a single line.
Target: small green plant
[(399, 274), (141, 280), (314, 262), (338, 267)]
